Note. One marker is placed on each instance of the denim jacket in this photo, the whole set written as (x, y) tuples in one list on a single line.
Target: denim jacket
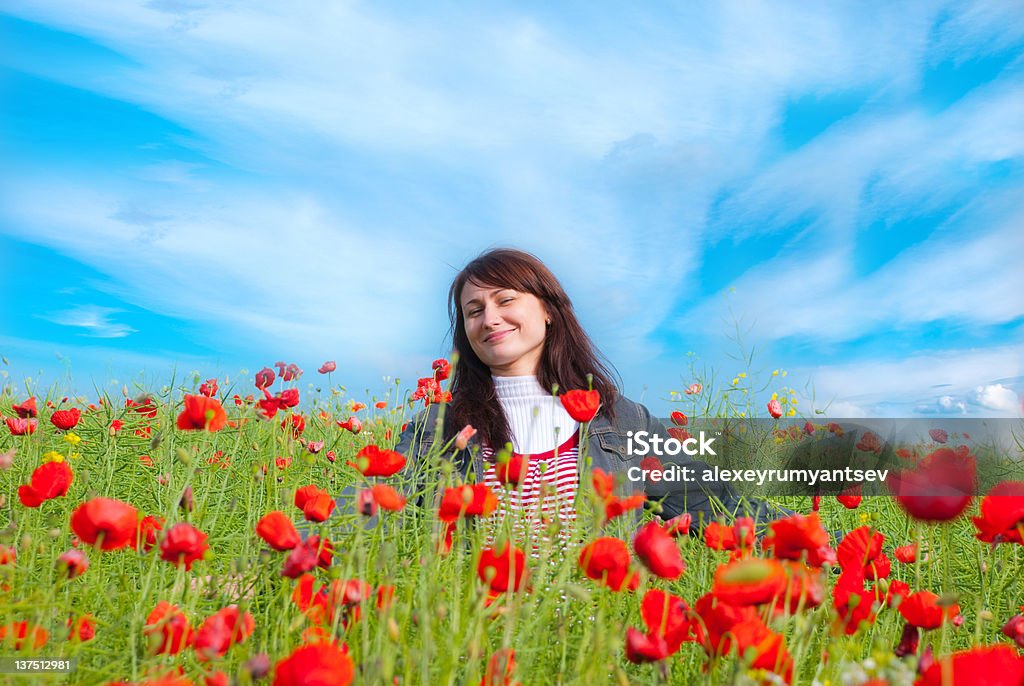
[(607, 449)]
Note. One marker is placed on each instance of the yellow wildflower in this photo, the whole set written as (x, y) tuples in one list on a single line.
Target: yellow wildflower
[(52, 456), (72, 438)]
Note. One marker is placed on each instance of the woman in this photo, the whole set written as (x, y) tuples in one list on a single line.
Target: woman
[(517, 338)]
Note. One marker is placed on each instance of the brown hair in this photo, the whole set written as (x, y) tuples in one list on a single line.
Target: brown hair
[(568, 355)]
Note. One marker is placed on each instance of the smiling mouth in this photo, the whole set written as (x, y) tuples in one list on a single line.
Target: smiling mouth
[(497, 336)]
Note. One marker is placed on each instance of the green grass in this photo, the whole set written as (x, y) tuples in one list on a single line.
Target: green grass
[(568, 629)]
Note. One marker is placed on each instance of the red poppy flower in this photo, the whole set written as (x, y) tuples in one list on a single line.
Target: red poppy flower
[(21, 427), (302, 495), (869, 443), (387, 497), (508, 565), (775, 408), (907, 554), (278, 531), (861, 551), (658, 551), (147, 533), (317, 664), (442, 369), (288, 372), (751, 581), (581, 405), (306, 556), (225, 627), (739, 536), (794, 536), (668, 623), (301, 560), (26, 409), (82, 629), (764, 648), (73, 563), (144, 405), (679, 419), (385, 596), (1014, 629), (208, 388), (614, 506), (618, 506), (265, 378), (693, 389), (49, 480), (896, 593), (940, 488), (66, 419), (375, 461), (167, 629), (476, 500), (679, 434), (996, 665), (202, 413), (318, 507), (513, 471), (679, 525), (322, 605), (1002, 514), (352, 424), (649, 647), (217, 678), (922, 610), (603, 483), (106, 521), (717, 621), (607, 560), (853, 603), (938, 435), (295, 425), (8, 555), (183, 544), (17, 635), (328, 367), (500, 669), (429, 391), (804, 589), (850, 498)]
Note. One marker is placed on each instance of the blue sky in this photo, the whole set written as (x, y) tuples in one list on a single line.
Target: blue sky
[(218, 186)]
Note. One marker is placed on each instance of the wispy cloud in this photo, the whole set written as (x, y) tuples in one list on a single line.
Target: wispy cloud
[(97, 322), (343, 159)]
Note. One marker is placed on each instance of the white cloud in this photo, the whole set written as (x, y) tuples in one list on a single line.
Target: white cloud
[(95, 320), (938, 383), (551, 132), (841, 409), (996, 397)]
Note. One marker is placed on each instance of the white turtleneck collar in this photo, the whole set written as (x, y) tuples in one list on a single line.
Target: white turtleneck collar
[(536, 418)]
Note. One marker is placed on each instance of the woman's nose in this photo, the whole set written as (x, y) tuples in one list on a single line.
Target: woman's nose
[(492, 316)]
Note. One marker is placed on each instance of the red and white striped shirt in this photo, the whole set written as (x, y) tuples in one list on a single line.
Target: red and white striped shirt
[(546, 494)]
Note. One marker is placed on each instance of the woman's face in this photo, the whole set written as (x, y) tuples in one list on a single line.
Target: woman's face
[(506, 328)]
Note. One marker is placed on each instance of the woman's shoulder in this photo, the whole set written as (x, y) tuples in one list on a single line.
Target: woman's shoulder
[(629, 414)]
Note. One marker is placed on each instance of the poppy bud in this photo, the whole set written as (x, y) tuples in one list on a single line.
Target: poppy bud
[(366, 504), (462, 438), (258, 666)]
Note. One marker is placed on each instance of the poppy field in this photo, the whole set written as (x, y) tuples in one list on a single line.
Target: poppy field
[(264, 530)]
